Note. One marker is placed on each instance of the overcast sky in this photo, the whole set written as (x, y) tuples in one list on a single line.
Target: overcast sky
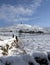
[(34, 12)]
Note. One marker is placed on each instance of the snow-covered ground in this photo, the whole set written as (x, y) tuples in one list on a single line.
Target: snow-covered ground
[(37, 47), (24, 28)]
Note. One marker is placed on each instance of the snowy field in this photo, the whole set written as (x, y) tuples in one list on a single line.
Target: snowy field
[(36, 46), (32, 42)]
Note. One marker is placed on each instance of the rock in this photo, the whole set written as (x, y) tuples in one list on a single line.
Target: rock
[(41, 61), (31, 63), (40, 58), (48, 53)]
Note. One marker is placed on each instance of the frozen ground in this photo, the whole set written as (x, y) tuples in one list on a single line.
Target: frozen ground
[(37, 47)]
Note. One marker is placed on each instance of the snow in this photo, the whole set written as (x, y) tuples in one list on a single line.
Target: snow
[(23, 27), (17, 60), (34, 48)]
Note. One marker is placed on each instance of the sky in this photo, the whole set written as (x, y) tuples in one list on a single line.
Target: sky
[(33, 12)]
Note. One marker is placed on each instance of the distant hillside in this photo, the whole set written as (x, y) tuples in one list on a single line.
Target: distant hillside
[(24, 28)]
